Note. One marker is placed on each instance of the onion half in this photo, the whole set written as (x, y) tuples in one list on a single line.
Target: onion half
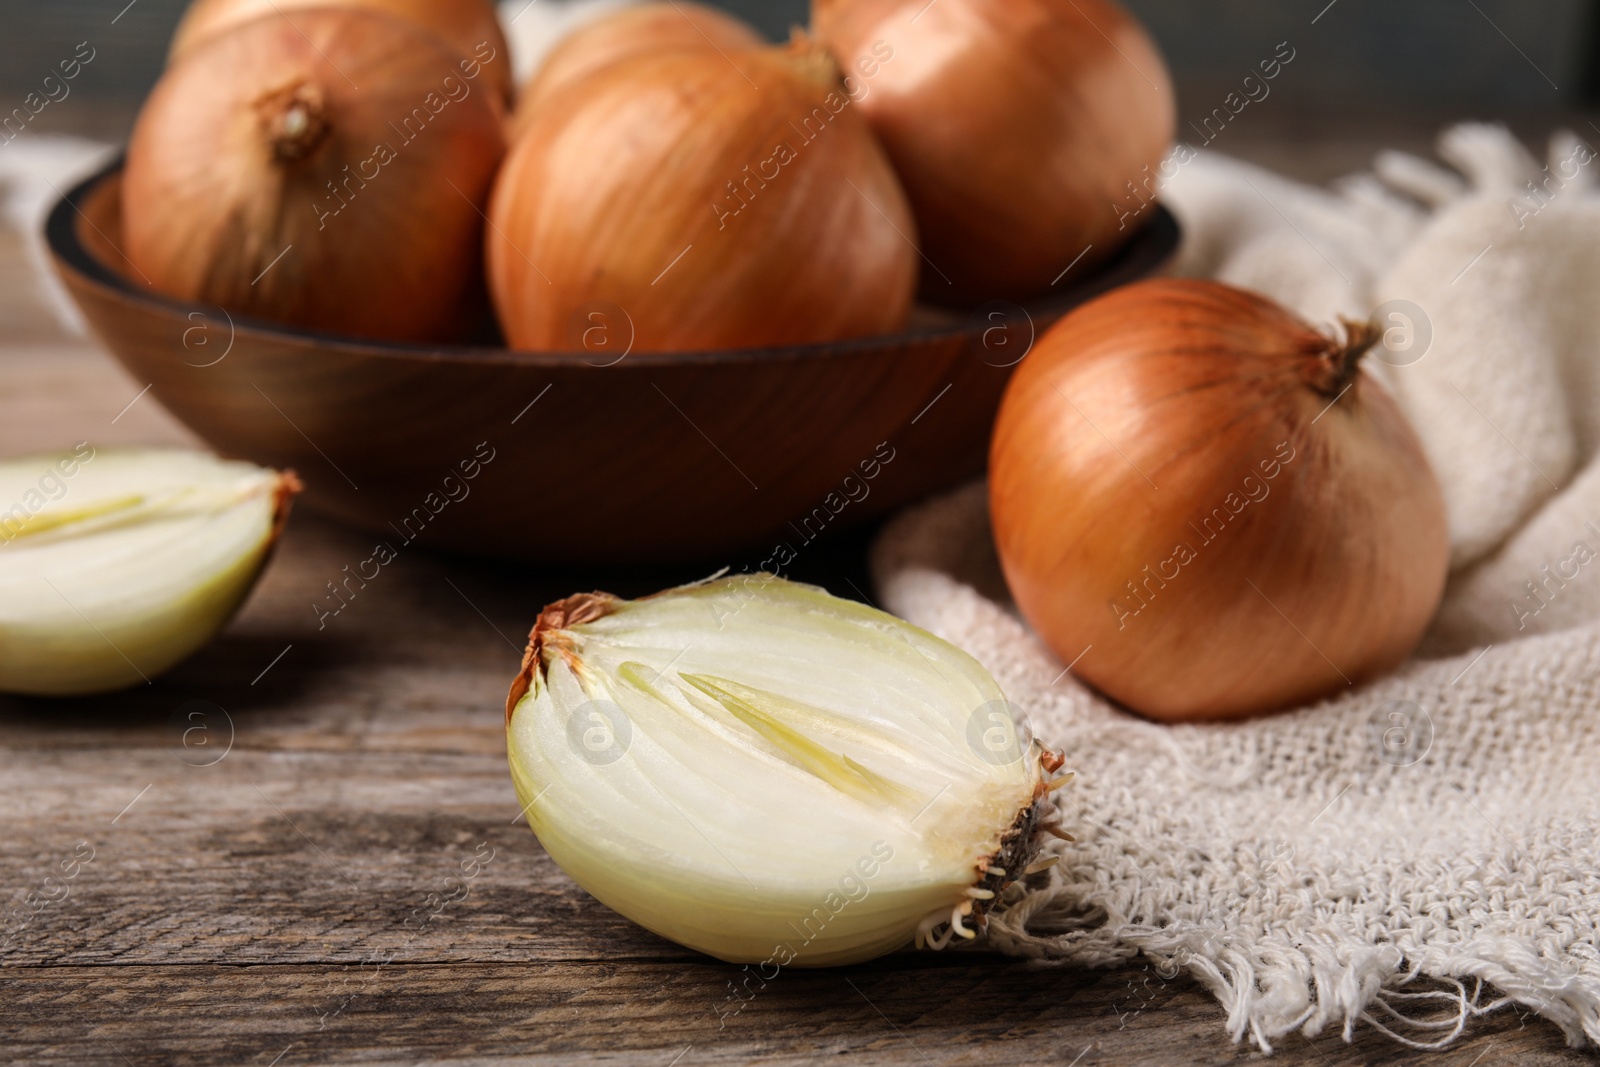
[(1204, 505), (117, 564), (1015, 126), (710, 200), (686, 761), (329, 174)]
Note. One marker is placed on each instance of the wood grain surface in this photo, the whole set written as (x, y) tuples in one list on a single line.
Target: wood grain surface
[(303, 847)]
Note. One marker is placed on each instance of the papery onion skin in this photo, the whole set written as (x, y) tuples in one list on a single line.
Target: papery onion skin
[(1175, 414), (624, 193), (716, 832), (1016, 128), (629, 34), (303, 173), (467, 27), (86, 604)]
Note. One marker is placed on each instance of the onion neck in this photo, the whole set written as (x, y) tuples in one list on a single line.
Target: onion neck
[(295, 119), (550, 632), (813, 61), (1336, 363)]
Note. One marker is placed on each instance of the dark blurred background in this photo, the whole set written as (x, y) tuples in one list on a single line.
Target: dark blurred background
[(1366, 72)]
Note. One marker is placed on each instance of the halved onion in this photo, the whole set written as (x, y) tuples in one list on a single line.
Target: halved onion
[(769, 774), (115, 565)]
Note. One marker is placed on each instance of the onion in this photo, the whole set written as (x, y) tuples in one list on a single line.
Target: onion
[(470, 28), (116, 565), (328, 174), (1015, 126), (683, 758), (1202, 503), (706, 213), (631, 33)]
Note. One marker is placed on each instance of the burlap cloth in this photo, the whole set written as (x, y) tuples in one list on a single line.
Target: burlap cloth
[(1423, 848)]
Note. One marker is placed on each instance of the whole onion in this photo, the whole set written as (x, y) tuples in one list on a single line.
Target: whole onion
[(630, 33), (329, 174), (1015, 126), (469, 28), (1206, 508), (699, 200)]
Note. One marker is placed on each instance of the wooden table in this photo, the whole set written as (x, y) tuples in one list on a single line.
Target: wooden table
[(269, 846)]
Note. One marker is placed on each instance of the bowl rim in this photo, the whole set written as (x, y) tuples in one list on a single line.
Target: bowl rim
[(1152, 245)]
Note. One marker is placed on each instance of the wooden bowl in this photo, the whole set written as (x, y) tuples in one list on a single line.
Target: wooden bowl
[(576, 457)]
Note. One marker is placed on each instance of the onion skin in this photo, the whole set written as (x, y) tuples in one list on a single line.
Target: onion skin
[(463, 25), (621, 193), (1015, 127), (631, 33), (231, 163), (1146, 418)]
